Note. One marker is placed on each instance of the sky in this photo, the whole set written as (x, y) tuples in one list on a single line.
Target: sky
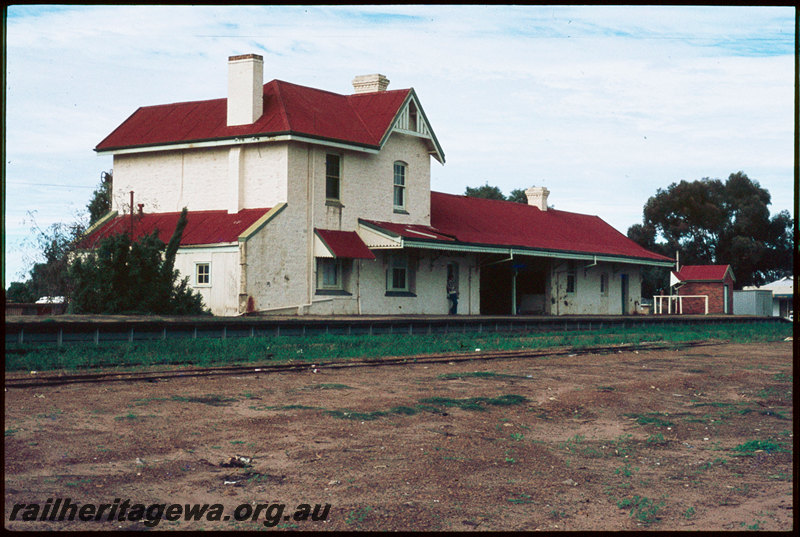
[(603, 105)]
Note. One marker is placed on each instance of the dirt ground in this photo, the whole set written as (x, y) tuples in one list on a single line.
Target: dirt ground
[(617, 441)]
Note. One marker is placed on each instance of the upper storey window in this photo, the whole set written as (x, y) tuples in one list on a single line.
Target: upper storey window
[(400, 186), (333, 173)]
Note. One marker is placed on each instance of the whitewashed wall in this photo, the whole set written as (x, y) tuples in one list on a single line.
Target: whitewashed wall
[(587, 298), (221, 295), (202, 179)]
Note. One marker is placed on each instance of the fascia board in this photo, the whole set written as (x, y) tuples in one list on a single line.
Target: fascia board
[(200, 144), (105, 218), (261, 222), (472, 248), (223, 247)]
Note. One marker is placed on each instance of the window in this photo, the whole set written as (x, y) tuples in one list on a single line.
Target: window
[(399, 276), (571, 277), (399, 186), (604, 284), (332, 176), (202, 273), (329, 273)]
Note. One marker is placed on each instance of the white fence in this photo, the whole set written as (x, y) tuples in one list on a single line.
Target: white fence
[(658, 303)]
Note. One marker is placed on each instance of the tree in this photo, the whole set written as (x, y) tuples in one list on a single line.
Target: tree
[(100, 203), (55, 243), (124, 277), (714, 222), (494, 193)]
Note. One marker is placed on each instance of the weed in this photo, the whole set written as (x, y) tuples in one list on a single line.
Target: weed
[(517, 436), (571, 443), (621, 445), (689, 513), (555, 514), (523, 498), (643, 508), (625, 471), (11, 432), (710, 464), (356, 516), (754, 527), (128, 416), (656, 439)]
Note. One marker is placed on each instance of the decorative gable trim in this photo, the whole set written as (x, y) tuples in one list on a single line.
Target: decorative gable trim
[(411, 119)]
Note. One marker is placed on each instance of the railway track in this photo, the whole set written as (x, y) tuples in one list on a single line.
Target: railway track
[(35, 379)]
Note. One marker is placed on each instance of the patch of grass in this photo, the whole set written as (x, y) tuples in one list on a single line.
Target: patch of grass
[(774, 414), (210, 399), (521, 498), (329, 387), (479, 374), (714, 404), (689, 513), (431, 404), (656, 439), (11, 432), (329, 347), (756, 446), (651, 418), (129, 416), (354, 415), (475, 403)]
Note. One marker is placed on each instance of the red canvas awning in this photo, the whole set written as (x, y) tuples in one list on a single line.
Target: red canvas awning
[(346, 244)]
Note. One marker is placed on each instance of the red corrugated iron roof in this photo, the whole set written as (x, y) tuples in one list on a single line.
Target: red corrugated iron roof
[(361, 119), (410, 231), (694, 273), (346, 244), (202, 227), (509, 224)]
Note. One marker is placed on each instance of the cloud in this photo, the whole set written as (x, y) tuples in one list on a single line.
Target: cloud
[(602, 104)]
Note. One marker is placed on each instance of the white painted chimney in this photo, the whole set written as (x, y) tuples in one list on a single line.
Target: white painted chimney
[(370, 83), (245, 89), (537, 196)]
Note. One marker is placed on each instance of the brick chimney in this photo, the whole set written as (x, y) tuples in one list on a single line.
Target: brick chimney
[(370, 83), (537, 196), (245, 89)]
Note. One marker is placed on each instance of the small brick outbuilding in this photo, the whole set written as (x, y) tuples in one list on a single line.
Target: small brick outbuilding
[(714, 281)]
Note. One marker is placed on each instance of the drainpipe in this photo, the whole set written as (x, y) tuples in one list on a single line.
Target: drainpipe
[(513, 291), (131, 215)]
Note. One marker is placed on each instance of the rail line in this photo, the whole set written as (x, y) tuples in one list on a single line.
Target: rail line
[(38, 380)]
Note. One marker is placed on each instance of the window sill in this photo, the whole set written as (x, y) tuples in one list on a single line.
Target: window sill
[(334, 203), (333, 292), (401, 293), (400, 211)]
